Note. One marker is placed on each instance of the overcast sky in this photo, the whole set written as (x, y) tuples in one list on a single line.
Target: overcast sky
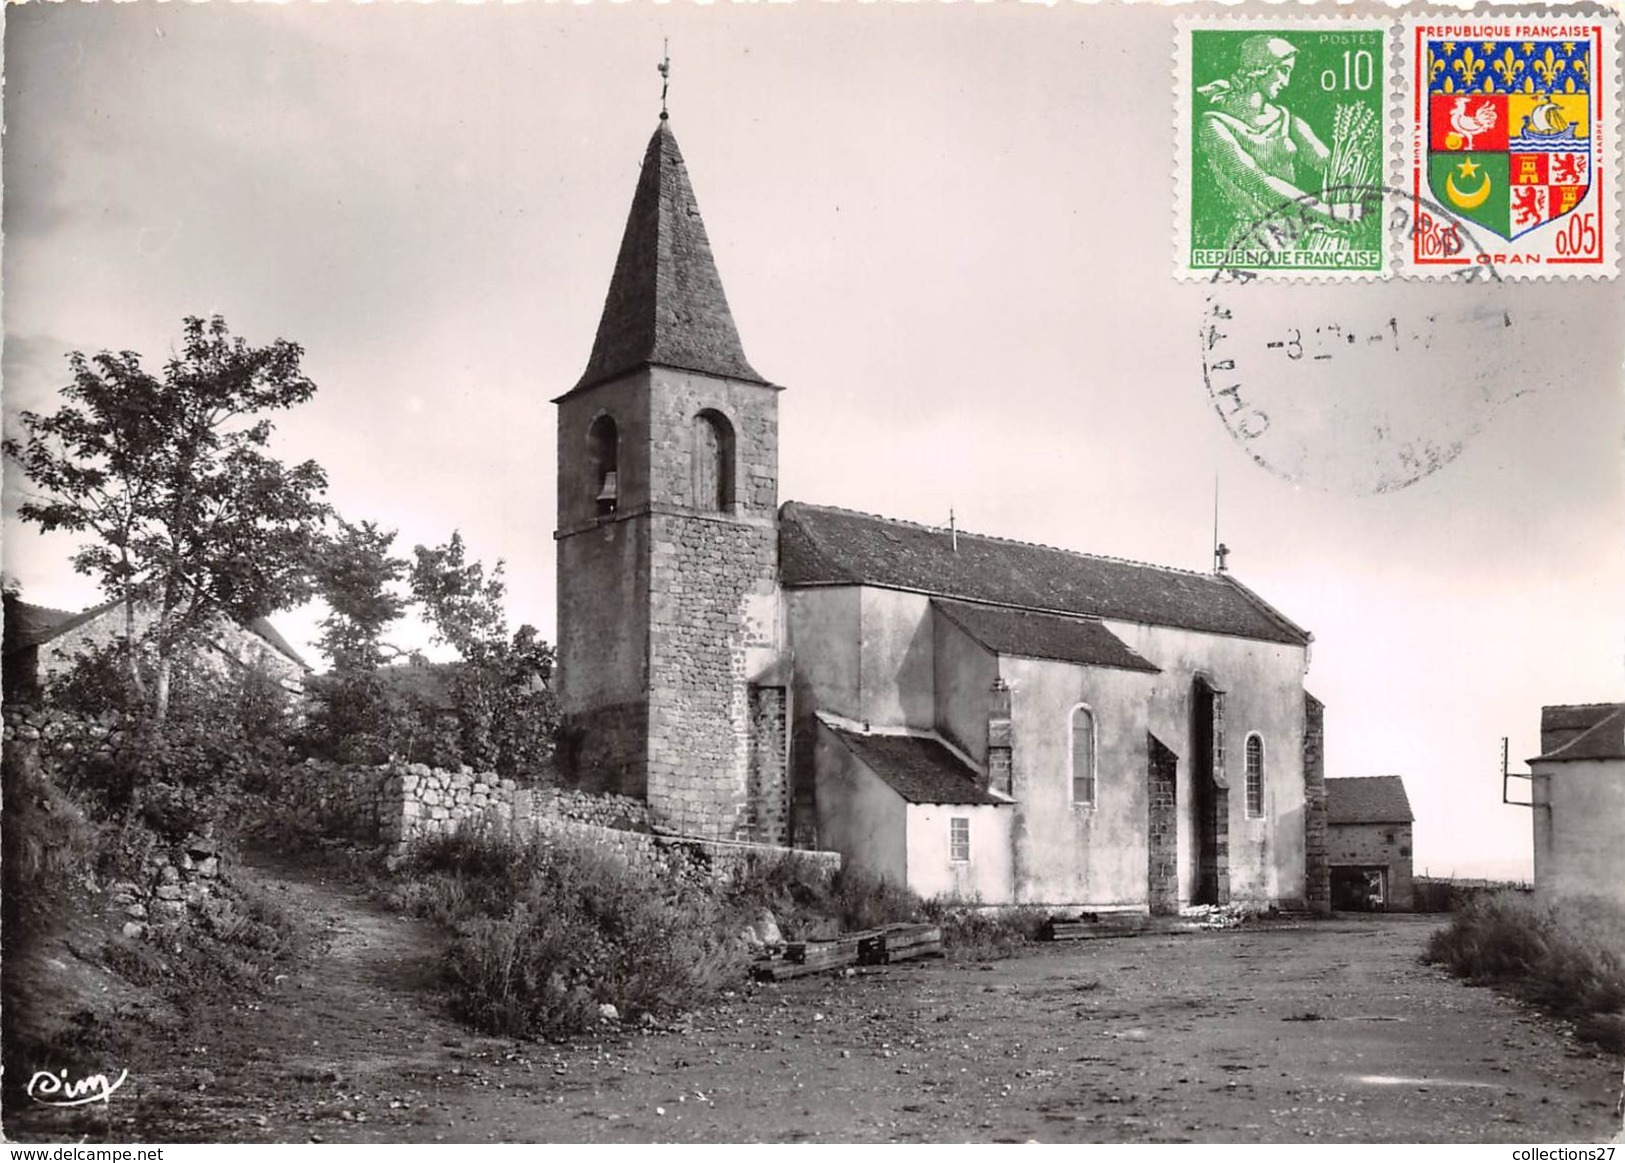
[(944, 229)]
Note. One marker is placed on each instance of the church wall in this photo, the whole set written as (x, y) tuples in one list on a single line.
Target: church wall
[(932, 872), (822, 629), (1066, 853), (676, 398), (626, 402), (603, 615), (823, 625), (603, 592), (707, 575), (859, 816), (897, 681), (1263, 687), (965, 671)]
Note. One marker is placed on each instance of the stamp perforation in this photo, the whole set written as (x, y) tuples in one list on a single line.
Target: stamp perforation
[(1535, 259), (1291, 219), (1405, 206)]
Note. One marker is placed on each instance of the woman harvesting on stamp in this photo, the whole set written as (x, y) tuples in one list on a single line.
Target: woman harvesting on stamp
[(1259, 154)]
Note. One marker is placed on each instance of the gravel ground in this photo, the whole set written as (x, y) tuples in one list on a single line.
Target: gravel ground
[(1320, 1032)]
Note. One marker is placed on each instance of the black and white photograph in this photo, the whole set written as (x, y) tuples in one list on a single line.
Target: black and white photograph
[(681, 573)]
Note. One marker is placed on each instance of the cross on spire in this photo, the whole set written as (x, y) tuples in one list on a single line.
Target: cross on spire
[(665, 74)]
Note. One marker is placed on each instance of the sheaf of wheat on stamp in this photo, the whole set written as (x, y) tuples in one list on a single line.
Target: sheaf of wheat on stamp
[(1282, 142), (1510, 121)]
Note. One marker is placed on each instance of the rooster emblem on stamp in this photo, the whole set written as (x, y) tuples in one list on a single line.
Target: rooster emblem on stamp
[(1511, 123)]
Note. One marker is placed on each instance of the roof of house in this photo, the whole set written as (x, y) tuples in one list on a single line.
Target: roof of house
[(921, 769), (1373, 799), (30, 625), (1586, 731), (1032, 634), (825, 546), (665, 303)]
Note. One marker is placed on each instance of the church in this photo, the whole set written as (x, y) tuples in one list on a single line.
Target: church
[(980, 719)]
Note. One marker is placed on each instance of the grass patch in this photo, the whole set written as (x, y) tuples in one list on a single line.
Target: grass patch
[(1565, 956), (51, 845), (975, 934), (545, 930), (811, 904)]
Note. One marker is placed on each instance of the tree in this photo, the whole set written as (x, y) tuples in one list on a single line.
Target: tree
[(355, 716), (502, 690), (354, 573), (170, 477)]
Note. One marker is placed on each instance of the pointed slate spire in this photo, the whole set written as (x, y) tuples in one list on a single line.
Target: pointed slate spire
[(665, 304)]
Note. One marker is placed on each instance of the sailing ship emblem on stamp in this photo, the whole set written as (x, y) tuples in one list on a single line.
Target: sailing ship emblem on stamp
[(1511, 125), (1282, 140)]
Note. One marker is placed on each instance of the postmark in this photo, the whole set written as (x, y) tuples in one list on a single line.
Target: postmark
[(1281, 112), (1366, 389), (1510, 123)]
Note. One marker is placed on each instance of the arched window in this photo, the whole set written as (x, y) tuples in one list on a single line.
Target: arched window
[(1255, 775), (1083, 755), (713, 462), (603, 464)]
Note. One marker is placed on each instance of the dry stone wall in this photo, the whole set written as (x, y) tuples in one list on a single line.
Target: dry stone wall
[(393, 805), (59, 734)]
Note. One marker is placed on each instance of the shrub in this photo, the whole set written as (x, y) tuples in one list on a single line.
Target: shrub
[(547, 929), (182, 775), (1567, 956)]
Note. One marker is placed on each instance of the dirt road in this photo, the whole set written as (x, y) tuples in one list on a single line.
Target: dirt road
[(1331, 1032)]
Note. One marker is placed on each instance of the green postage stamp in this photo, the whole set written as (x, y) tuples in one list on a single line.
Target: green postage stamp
[(1281, 147)]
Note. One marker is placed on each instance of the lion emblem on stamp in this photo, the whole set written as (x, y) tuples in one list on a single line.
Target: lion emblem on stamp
[(1510, 141)]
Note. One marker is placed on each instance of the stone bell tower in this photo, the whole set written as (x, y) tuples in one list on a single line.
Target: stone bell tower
[(670, 676)]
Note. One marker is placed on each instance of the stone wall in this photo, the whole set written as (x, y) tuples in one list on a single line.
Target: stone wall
[(393, 805), (1317, 870), (61, 733), (1162, 767), (768, 818), (344, 800)]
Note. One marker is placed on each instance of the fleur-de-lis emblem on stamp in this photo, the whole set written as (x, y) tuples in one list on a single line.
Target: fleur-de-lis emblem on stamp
[(1511, 140)]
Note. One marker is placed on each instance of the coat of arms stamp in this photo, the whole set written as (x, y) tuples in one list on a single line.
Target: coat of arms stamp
[(1282, 145), (1511, 155)]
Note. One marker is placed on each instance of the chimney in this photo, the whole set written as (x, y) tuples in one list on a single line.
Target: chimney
[(999, 738)]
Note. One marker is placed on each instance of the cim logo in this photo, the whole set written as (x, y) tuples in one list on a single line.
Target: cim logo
[(57, 1090)]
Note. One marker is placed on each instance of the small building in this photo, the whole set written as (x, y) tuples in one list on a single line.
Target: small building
[(1579, 801), (41, 643), (1368, 844)]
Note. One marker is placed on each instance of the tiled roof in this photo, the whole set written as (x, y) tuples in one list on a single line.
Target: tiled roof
[(1594, 731), (30, 625), (920, 769), (665, 303), (263, 627), (823, 546), (1375, 799), (1034, 635)]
